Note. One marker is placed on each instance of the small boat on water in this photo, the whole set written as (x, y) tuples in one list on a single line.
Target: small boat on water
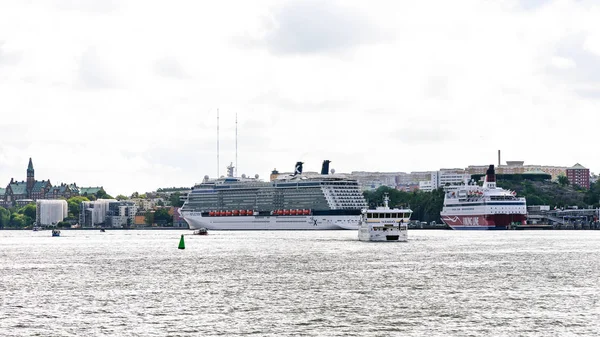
[(384, 223), (35, 229), (55, 232), (102, 230), (201, 231)]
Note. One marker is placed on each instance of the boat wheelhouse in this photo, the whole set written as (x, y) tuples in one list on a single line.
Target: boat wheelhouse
[(384, 223)]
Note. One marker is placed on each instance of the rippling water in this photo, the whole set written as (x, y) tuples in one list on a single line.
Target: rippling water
[(326, 283)]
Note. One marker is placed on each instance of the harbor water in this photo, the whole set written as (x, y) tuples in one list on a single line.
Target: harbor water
[(299, 283)]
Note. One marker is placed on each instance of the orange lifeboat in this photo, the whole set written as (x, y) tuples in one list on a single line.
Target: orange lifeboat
[(211, 213), (243, 212), (286, 212), (236, 212), (279, 212), (249, 212), (221, 213), (293, 212), (306, 211), (228, 213)]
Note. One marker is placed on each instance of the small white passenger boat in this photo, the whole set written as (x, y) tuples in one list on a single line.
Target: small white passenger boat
[(384, 223), (55, 232)]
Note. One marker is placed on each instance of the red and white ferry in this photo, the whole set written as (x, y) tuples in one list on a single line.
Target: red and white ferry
[(483, 207)]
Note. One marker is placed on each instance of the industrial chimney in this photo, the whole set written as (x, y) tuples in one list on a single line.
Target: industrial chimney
[(499, 158)]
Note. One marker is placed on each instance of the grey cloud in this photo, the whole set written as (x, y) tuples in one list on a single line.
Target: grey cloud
[(308, 27), (437, 86), (412, 135), (169, 67), (286, 104), (8, 58), (91, 6), (92, 74), (586, 71), (533, 4)]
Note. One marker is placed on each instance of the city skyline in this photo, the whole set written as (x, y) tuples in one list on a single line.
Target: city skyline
[(125, 94)]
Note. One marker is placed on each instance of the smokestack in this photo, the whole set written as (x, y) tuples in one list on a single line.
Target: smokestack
[(490, 174), (298, 168), (325, 167), (499, 158)]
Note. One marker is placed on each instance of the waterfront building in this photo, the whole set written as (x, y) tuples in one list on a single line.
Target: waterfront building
[(121, 214), (32, 189), (579, 175), (63, 190), (85, 191), (93, 213), (444, 177), (50, 212)]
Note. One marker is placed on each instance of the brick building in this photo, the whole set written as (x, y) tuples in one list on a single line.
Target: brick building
[(579, 175)]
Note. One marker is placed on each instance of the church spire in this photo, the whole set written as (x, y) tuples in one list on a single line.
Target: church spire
[(30, 179)]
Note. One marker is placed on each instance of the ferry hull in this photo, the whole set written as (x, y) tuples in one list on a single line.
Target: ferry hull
[(482, 222), (325, 222), (391, 235)]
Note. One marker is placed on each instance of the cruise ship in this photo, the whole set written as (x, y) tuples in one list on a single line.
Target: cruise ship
[(292, 202), (483, 207)]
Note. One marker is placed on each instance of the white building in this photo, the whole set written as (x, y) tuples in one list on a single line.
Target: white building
[(92, 213), (50, 212), (121, 214), (444, 177), (452, 177)]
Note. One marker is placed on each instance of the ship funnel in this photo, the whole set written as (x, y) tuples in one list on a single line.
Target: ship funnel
[(325, 168), (490, 175), (298, 168)]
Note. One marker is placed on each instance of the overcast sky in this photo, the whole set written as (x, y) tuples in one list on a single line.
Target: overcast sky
[(124, 94)]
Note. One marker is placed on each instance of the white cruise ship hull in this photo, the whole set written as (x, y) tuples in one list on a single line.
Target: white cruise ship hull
[(280, 222)]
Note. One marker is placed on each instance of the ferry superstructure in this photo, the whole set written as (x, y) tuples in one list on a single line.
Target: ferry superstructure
[(483, 207), (294, 202), (384, 223)]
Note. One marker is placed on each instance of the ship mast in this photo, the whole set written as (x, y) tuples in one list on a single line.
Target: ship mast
[(218, 143), (236, 138)]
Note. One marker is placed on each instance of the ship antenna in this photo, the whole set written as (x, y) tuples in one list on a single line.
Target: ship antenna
[(236, 137), (218, 144)]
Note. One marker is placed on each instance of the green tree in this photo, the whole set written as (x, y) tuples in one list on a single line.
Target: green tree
[(18, 220), (4, 217), (162, 214), (74, 205), (135, 195), (175, 201), (563, 181), (121, 197), (101, 194), (149, 218), (29, 210)]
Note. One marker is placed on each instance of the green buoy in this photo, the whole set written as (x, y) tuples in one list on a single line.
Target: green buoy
[(181, 243)]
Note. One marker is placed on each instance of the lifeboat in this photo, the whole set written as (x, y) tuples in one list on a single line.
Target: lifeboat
[(286, 212), (249, 212), (211, 213), (221, 213), (279, 212), (306, 211), (293, 212), (228, 213), (236, 212), (243, 212)]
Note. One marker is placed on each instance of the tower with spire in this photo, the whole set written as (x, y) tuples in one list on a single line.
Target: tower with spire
[(30, 178)]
